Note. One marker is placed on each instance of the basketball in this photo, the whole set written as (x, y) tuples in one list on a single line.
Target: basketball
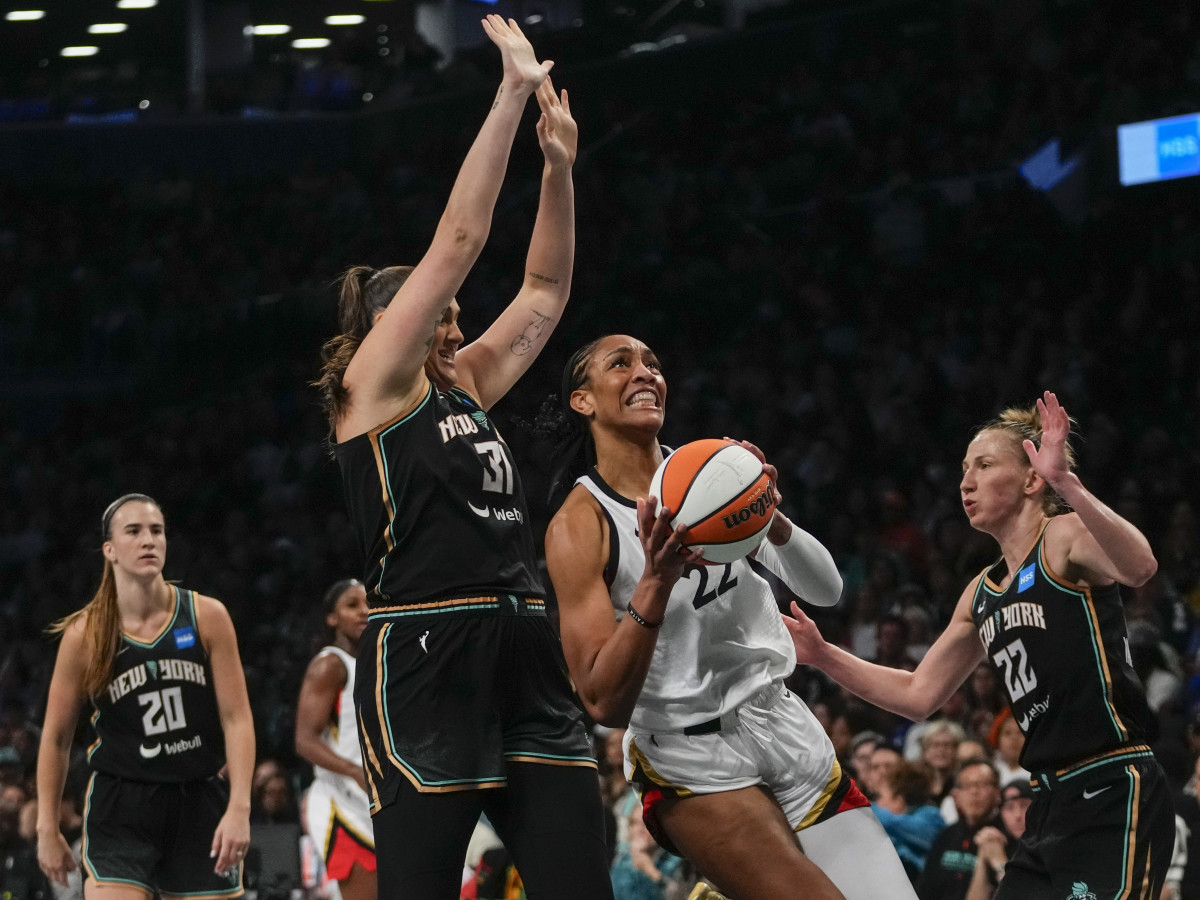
[(718, 489)]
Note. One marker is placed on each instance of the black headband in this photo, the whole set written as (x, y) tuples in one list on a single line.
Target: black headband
[(106, 519)]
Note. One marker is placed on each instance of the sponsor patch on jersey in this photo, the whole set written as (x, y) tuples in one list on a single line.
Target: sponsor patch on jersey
[(185, 637), (1025, 578)]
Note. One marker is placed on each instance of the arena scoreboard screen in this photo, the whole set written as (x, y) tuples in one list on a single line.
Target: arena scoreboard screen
[(1159, 149)]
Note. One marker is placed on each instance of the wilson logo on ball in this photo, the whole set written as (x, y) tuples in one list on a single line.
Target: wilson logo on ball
[(718, 489), (756, 509)]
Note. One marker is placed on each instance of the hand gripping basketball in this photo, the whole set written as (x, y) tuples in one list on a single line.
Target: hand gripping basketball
[(719, 491)]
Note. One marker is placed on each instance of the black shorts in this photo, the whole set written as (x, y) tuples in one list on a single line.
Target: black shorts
[(1100, 828), (446, 700), (156, 836)]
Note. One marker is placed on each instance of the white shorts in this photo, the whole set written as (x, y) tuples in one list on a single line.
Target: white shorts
[(772, 739), (330, 809)]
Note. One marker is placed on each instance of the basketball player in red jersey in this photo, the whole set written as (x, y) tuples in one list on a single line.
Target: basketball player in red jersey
[(463, 701), (733, 770)]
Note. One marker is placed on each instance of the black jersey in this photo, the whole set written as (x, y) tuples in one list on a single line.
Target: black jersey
[(1062, 652), (158, 718), (438, 507)]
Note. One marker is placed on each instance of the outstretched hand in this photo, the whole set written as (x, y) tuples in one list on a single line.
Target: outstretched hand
[(557, 132), (663, 545), (522, 71), (806, 637), (1050, 460)]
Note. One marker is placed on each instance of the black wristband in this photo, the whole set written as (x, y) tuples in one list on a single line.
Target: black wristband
[(633, 614)]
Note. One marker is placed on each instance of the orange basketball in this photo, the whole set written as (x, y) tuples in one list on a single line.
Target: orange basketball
[(719, 490)]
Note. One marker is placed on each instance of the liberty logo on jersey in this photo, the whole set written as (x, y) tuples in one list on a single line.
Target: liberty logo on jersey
[(1025, 578), (1079, 891)]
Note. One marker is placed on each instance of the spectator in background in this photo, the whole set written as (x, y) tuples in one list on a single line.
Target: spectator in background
[(862, 746), (1007, 741), (951, 860), (891, 646), (996, 846), (884, 758), (20, 877), (939, 751), (644, 871), (905, 809), (1187, 809), (273, 864)]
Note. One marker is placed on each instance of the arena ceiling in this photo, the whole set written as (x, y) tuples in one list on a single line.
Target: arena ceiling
[(158, 30)]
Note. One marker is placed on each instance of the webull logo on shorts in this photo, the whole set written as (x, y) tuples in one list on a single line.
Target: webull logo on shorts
[(759, 506)]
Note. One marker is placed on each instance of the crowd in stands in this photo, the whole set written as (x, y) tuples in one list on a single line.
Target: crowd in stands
[(833, 257)]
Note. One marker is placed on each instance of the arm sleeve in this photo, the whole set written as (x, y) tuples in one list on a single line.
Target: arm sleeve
[(805, 566)]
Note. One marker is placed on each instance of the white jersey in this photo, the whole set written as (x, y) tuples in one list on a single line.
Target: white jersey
[(335, 798), (341, 734), (722, 640)]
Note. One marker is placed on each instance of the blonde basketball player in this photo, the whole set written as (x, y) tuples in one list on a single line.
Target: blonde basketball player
[(733, 770), (337, 811), (159, 666)]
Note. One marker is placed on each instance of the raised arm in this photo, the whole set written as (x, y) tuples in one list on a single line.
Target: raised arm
[(1095, 545), (914, 695), (608, 659), (58, 730), (387, 367), (323, 681), (491, 365), (232, 836)]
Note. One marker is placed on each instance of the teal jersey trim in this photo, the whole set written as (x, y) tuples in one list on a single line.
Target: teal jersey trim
[(387, 484), (1097, 651), (391, 748)]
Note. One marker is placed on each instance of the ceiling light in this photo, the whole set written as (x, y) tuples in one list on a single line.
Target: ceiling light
[(270, 29), (108, 28), (310, 43), (344, 20), (136, 4), (79, 51), (25, 15)]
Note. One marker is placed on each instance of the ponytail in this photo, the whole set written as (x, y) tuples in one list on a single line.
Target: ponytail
[(570, 432), (363, 293), (101, 631)]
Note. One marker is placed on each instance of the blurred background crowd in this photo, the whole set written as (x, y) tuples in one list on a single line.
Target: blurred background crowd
[(818, 221)]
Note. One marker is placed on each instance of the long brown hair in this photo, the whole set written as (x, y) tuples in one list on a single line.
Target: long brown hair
[(101, 617), (363, 293), (1025, 423)]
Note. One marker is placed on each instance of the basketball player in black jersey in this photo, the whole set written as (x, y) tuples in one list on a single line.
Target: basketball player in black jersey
[(161, 668), (1048, 617), (463, 701)]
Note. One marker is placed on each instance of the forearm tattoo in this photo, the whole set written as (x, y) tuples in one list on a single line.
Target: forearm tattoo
[(545, 278), (498, 93), (524, 341)]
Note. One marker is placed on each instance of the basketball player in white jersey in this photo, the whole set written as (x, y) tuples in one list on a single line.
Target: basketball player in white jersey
[(733, 770), (337, 811)]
